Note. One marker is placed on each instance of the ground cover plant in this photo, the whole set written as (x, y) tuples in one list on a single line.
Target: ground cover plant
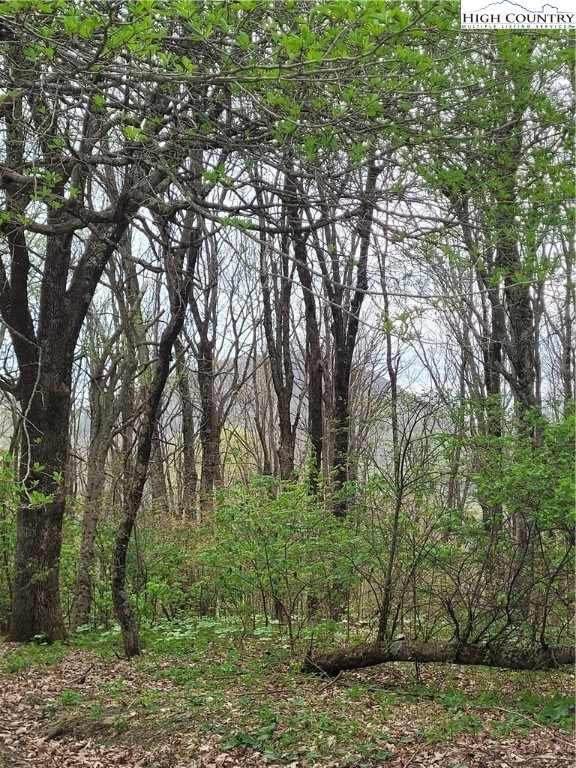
[(206, 694)]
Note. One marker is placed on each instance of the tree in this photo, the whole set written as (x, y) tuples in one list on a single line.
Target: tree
[(343, 263), (47, 171), (188, 471), (107, 368), (276, 280), (180, 263), (403, 186), (73, 121), (60, 135)]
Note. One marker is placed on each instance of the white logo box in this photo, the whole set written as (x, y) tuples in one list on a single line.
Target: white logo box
[(529, 14)]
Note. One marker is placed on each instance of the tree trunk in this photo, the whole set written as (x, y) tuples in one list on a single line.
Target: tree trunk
[(492, 341), (93, 503), (188, 465), (314, 365), (36, 608), (276, 283), (261, 414), (341, 380), (568, 333), (210, 475), (178, 299), (492, 358), (507, 657), (345, 324), (157, 487), (204, 306), (521, 349)]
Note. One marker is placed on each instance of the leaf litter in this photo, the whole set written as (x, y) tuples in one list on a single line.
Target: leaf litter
[(89, 711)]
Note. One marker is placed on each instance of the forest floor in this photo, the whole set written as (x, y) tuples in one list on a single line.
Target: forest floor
[(201, 696)]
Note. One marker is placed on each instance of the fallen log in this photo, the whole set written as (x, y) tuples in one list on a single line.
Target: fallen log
[(507, 657)]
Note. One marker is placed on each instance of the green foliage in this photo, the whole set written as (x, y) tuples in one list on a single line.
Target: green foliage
[(271, 548), (30, 656), (70, 697), (327, 57), (532, 710), (158, 571), (558, 710), (535, 480), (185, 635), (259, 738), (450, 727), (327, 77)]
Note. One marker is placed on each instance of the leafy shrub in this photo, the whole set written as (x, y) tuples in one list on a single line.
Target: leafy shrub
[(273, 549)]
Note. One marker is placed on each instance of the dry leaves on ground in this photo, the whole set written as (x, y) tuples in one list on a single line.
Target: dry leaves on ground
[(48, 719)]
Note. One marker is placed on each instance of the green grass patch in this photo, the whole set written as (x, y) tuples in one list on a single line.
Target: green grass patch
[(31, 656)]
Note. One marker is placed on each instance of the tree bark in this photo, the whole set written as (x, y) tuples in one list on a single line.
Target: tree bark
[(188, 465), (507, 657), (392, 362), (204, 308), (314, 363), (36, 608), (97, 454), (314, 369), (45, 358), (276, 283), (568, 362), (210, 475), (346, 297), (492, 342)]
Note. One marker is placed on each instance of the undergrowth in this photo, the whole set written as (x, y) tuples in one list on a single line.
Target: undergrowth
[(208, 679)]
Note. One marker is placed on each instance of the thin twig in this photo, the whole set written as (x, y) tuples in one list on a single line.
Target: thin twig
[(82, 678)]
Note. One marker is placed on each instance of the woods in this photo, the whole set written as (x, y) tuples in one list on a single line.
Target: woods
[(287, 328)]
